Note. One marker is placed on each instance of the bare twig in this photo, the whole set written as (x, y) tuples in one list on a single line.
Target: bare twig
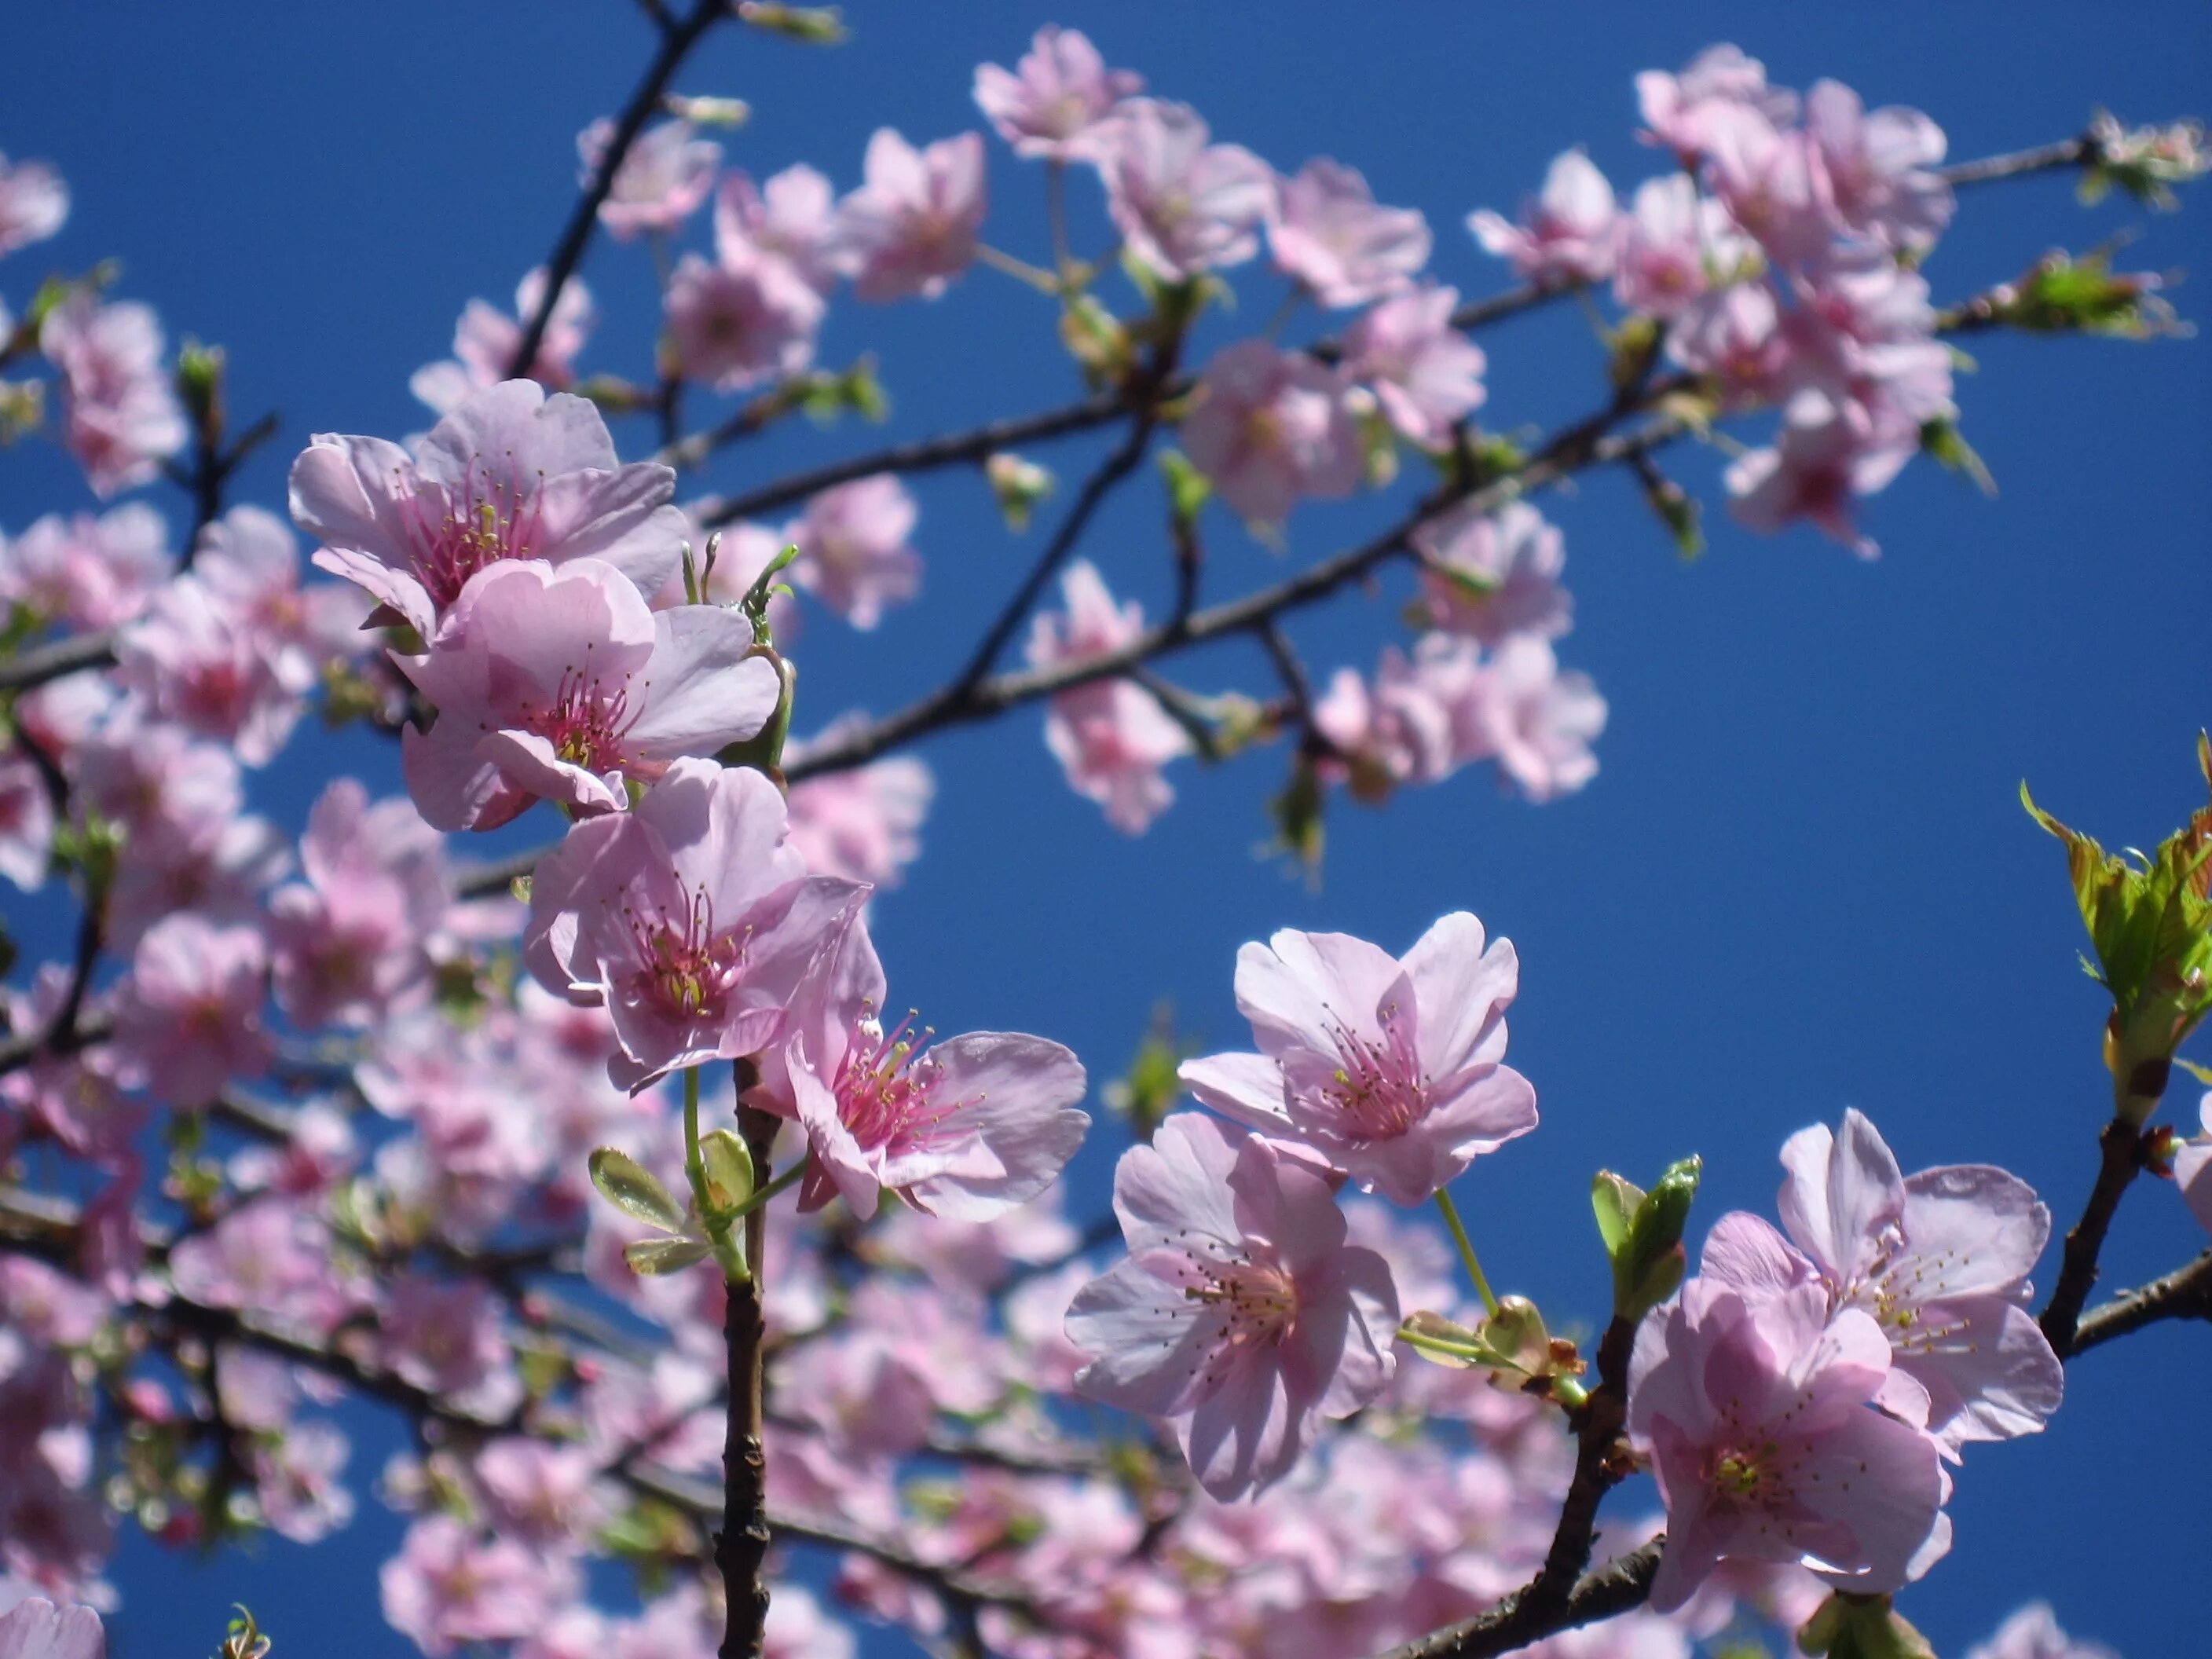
[(1524, 1617), (2121, 1149), (2185, 1293)]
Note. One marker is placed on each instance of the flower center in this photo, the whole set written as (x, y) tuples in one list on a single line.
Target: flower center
[(689, 968), (887, 1086), (1377, 1090), (488, 520)]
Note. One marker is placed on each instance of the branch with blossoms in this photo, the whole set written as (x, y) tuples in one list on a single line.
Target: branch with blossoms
[(341, 1118)]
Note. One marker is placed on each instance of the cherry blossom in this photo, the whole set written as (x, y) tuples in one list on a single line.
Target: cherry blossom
[(1940, 1261), (1758, 1421), (1389, 1069), (1269, 427), (2192, 1167), (690, 917), (486, 338), (853, 550), (967, 1128), (1110, 736), (2032, 1633), (735, 323), (1489, 575), (511, 473), (1829, 453), (912, 227), (192, 1018), (791, 217), (1566, 234), (33, 204), (662, 181), (560, 684), (1182, 203), (448, 1589), (84, 571), (1424, 374), (121, 418), (1680, 110), (34, 1628), (1878, 167), (1535, 721), (863, 824), (1328, 235), (1054, 102), (1674, 245), (1242, 1312), (27, 822)]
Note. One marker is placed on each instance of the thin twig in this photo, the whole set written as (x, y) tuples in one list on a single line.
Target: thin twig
[(2121, 1149), (2185, 1293), (1524, 1617)]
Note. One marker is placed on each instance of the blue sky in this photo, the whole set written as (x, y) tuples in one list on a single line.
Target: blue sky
[(1802, 879)]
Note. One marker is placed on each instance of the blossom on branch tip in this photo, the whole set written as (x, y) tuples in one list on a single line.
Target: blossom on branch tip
[(1242, 1312), (1674, 245), (190, 1020), (1109, 735), (1491, 573), (121, 417), (966, 1128), (87, 571), (1328, 235), (661, 182), (1878, 167), (1054, 104), (1389, 1069), (1182, 205), (1566, 234), (1759, 1418), (559, 683), (1680, 110), (864, 822), (1535, 721), (912, 227), (735, 324), (791, 218), (1939, 1259), (511, 473), (690, 917)]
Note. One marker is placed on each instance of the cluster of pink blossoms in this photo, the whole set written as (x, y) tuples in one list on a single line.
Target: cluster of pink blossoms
[(1801, 1399)]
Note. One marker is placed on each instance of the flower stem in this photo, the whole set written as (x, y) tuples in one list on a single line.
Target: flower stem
[(762, 1195), (1020, 269), (728, 1256), (1465, 1249)]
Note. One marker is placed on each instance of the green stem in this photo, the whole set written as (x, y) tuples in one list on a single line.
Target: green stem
[(728, 1256), (1020, 269), (767, 1191), (1465, 1249)]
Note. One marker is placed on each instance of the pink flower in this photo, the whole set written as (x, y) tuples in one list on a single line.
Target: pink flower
[(1566, 234), (1055, 103), (798, 1628), (1110, 736), (1940, 1259), (34, 1628), (89, 573), (123, 418), (510, 474), (1242, 1312), (2033, 1633), (1537, 722), (485, 340), (1733, 335), (2192, 1168), (1400, 730), (736, 323), (560, 685), (34, 203), (1269, 426), (445, 1337), (853, 551), (1878, 168), (1678, 110), (1423, 373), (1829, 455), (1770, 179), (195, 661), (967, 1129), (249, 561), (1182, 204), (662, 180), (270, 1256), (1490, 574), (349, 941), (792, 217), (1328, 235), (448, 1589), (910, 227), (1759, 1420), (1674, 243), (690, 916), (191, 1016), (27, 822), (549, 1496), (863, 824), (1389, 1069)]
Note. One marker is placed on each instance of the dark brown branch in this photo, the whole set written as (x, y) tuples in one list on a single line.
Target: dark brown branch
[(741, 1547), (2185, 1293), (676, 43), (1522, 1618), (2121, 1146), (43, 663)]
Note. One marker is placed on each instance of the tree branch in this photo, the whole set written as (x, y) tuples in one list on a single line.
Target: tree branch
[(2121, 1146), (676, 43), (2184, 1293), (1522, 1617)]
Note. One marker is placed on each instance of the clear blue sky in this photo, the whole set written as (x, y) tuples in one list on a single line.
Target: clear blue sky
[(1802, 879)]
